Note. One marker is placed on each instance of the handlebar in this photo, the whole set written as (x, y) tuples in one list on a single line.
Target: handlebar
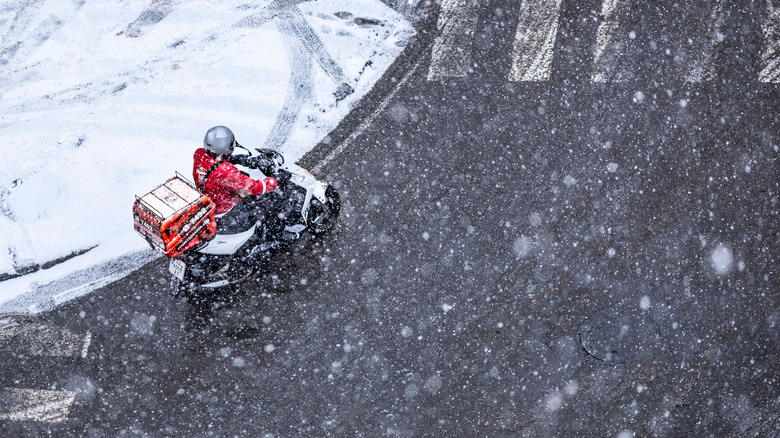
[(272, 154)]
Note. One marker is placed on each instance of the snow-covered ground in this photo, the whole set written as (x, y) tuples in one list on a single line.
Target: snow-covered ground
[(103, 100)]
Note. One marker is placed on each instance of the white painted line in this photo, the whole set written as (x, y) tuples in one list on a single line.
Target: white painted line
[(699, 54), (770, 55), (364, 124), (43, 340), (35, 405), (87, 341), (535, 40), (609, 45), (43, 297), (451, 52)]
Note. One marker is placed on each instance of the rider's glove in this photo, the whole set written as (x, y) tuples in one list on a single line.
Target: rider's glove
[(270, 183), (257, 162), (271, 154), (264, 164), (238, 159), (283, 176)]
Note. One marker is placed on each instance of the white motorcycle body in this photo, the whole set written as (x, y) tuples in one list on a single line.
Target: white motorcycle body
[(226, 244)]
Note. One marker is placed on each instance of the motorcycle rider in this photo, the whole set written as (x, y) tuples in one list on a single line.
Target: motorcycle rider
[(238, 198)]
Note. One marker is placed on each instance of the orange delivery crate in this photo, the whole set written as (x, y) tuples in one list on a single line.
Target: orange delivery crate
[(174, 217)]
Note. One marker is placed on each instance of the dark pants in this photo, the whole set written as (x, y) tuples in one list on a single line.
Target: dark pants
[(241, 218), (247, 212)]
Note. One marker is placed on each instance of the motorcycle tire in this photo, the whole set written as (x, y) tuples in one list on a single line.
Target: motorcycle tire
[(322, 217), (178, 288), (184, 291), (194, 295)]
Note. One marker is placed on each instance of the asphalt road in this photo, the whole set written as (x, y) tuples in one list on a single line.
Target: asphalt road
[(563, 257)]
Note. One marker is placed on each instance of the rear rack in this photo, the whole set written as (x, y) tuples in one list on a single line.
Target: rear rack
[(174, 216)]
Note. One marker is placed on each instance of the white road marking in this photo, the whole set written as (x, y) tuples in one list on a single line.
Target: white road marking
[(609, 45), (85, 348), (770, 55), (695, 57), (365, 123), (35, 405), (41, 298), (43, 340), (451, 52), (535, 40)]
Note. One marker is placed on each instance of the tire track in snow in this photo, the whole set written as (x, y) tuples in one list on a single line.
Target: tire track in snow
[(303, 44), (86, 92), (451, 52), (12, 37), (45, 30), (274, 10), (257, 19), (535, 40), (17, 241), (18, 42), (157, 11), (19, 76), (314, 45), (299, 89), (770, 54)]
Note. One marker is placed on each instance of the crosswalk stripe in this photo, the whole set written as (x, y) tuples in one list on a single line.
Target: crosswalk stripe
[(693, 57), (609, 46), (535, 40), (770, 55), (20, 404), (451, 52), (43, 340), (85, 348), (698, 65)]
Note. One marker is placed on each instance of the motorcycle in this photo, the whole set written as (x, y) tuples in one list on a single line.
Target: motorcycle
[(231, 256)]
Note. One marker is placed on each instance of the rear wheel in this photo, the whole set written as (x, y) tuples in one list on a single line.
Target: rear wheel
[(180, 289), (322, 217), (190, 289)]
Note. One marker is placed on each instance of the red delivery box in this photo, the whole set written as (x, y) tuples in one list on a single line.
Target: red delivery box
[(174, 217)]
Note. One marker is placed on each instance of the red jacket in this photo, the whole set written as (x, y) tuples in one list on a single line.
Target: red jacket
[(226, 185)]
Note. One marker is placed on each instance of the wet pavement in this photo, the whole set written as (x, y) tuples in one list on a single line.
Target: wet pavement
[(556, 258)]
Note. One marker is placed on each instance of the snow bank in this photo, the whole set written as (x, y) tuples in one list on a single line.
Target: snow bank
[(101, 101)]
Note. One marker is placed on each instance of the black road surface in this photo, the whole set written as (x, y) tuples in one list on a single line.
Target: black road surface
[(560, 258)]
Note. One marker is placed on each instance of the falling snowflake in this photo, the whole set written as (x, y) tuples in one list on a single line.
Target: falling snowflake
[(722, 259)]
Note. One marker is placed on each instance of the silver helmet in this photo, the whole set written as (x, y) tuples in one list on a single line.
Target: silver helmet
[(219, 140)]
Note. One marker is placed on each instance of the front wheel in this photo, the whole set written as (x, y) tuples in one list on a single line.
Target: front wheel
[(322, 216)]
